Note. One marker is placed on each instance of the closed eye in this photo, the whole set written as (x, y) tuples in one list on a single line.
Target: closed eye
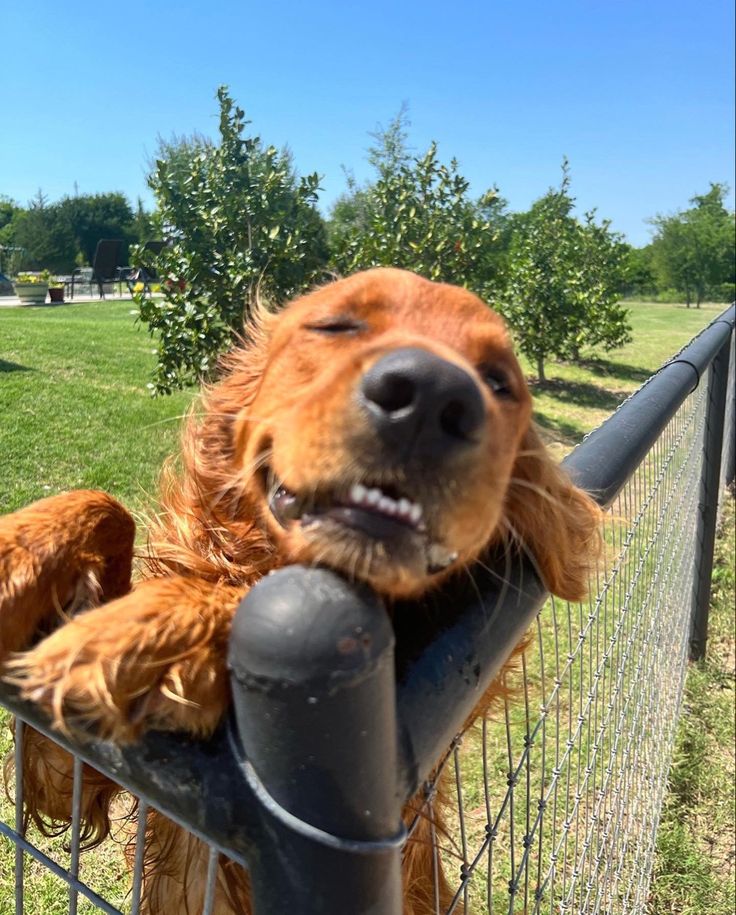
[(337, 324)]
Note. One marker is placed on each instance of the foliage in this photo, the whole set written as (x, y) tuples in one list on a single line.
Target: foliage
[(416, 214), (95, 216), (8, 209), (34, 278), (640, 279), (564, 280), (45, 236), (695, 250), (239, 224), (65, 234)]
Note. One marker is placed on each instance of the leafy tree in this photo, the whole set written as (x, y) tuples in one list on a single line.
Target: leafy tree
[(239, 223), (145, 225), (640, 277), (416, 214), (58, 236), (8, 253), (47, 237), (91, 217), (694, 249), (564, 279), (8, 208)]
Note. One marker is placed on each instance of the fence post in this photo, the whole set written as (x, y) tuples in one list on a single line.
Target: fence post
[(710, 482), (312, 671), (730, 430)]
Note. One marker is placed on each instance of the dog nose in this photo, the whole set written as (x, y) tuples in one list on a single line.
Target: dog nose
[(421, 402)]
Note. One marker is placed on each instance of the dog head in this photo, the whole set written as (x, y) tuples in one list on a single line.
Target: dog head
[(381, 425)]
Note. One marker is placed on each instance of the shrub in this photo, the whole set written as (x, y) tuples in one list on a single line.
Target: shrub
[(564, 281), (239, 224)]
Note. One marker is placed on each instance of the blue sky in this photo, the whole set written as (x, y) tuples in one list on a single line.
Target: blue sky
[(638, 94)]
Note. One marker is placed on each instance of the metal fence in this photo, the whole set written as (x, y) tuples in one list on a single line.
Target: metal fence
[(549, 805)]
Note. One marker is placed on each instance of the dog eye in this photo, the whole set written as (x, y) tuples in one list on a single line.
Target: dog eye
[(497, 381), (337, 324)]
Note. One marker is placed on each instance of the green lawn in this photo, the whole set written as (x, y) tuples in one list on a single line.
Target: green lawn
[(74, 407), (694, 871), (75, 412)]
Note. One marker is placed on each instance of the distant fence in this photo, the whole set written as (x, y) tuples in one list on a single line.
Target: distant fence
[(554, 801)]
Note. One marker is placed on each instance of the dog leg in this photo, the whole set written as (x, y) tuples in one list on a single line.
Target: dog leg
[(154, 659), (57, 555)]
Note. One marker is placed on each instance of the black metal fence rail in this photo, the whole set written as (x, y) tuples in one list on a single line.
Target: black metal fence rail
[(341, 715)]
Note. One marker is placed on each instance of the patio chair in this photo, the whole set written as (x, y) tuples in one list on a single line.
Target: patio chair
[(104, 265), (147, 274)]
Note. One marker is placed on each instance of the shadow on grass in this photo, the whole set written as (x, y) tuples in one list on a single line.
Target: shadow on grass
[(579, 393), (13, 367), (606, 368), (558, 430)]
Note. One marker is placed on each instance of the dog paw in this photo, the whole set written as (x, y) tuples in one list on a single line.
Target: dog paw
[(153, 660)]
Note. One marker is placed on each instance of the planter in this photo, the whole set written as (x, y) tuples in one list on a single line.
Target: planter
[(31, 293), (56, 294)]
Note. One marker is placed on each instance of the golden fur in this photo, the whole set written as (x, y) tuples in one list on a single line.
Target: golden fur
[(284, 417)]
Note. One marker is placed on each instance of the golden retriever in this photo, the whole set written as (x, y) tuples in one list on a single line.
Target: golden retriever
[(381, 426)]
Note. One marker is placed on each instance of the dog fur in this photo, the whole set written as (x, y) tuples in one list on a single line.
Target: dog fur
[(285, 425)]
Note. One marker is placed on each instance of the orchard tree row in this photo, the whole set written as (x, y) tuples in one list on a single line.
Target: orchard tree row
[(241, 224)]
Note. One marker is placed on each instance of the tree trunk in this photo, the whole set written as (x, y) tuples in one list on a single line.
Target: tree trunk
[(540, 370)]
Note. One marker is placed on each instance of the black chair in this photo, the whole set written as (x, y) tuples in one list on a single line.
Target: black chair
[(147, 274), (104, 265)]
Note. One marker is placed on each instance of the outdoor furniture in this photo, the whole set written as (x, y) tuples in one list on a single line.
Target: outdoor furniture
[(146, 274), (104, 266)]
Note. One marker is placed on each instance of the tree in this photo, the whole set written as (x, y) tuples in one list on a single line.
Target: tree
[(59, 236), (564, 279), (46, 236), (91, 217), (416, 214), (640, 275), (239, 223), (694, 248)]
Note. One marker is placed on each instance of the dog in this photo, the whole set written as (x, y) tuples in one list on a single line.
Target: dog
[(379, 425)]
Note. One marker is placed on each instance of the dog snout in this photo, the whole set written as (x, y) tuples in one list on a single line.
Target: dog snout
[(422, 404)]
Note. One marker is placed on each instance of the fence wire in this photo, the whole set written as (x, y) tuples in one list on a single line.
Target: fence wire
[(557, 796), (50, 871)]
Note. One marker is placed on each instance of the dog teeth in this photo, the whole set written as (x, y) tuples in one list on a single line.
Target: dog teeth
[(388, 506), (375, 498)]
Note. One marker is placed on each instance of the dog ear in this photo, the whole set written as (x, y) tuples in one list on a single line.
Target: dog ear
[(556, 523)]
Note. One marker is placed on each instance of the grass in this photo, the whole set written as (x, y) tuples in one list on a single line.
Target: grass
[(74, 408), (694, 872), (75, 412), (577, 398)]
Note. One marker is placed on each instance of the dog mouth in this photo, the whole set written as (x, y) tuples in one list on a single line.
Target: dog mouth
[(364, 512), (378, 511)]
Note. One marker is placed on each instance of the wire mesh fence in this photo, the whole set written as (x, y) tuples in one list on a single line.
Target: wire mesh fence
[(556, 797), (548, 805), (56, 867)]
